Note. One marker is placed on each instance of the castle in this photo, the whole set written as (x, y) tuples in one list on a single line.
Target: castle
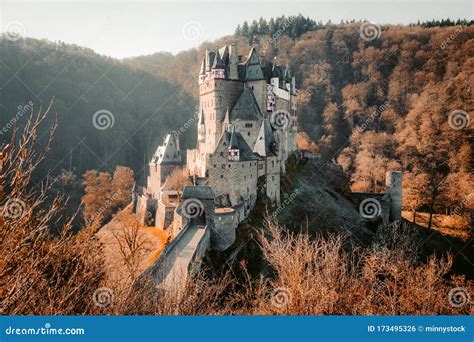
[(247, 126)]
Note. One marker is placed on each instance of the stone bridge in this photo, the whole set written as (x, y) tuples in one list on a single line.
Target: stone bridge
[(181, 258)]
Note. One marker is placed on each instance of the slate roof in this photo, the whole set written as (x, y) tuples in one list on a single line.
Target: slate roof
[(168, 153), (250, 68), (235, 140), (246, 108), (266, 144), (197, 191)]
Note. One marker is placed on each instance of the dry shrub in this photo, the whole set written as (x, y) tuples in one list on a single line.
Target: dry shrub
[(320, 277), (57, 274), (40, 272)]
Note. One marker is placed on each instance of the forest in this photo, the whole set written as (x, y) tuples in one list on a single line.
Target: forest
[(401, 99), (389, 98)]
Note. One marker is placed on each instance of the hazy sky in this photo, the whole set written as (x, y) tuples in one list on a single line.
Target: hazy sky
[(129, 28)]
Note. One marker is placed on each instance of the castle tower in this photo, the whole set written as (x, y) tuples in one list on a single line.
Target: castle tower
[(393, 182), (166, 159), (216, 94)]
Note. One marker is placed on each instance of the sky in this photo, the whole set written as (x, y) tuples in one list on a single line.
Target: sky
[(126, 28)]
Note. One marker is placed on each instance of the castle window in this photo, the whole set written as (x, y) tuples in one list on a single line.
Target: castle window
[(273, 178), (229, 166), (248, 133), (222, 176), (222, 154), (215, 165), (248, 125), (223, 166), (273, 163), (248, 190)]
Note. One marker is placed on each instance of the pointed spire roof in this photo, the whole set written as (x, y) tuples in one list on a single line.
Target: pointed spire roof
[(265, 145), (246, 108), (217, 62), (201, 117), (169, 152), (235, 140), (227, 117), (253, 70)]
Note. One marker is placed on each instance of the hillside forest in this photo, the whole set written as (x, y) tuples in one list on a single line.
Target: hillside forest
[(400, 99)]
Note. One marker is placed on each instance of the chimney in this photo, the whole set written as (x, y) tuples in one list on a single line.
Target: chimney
[(233, 60)]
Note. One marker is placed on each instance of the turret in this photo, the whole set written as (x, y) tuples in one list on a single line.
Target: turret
[(393, 181), (226, 123)]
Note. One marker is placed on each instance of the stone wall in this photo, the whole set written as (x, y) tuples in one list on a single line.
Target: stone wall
[(226, 221), (393, 181), (199, 253), (236, 178), (387, 205)]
